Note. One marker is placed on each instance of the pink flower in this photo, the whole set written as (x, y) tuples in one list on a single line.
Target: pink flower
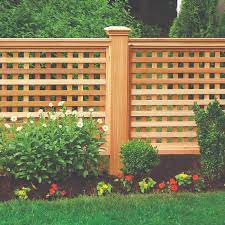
[(162, 185), (174, 188), (129, 178), (63, 193), (54, 186), (195, 177)]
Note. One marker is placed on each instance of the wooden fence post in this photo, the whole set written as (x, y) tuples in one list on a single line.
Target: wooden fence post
[(118, 93)]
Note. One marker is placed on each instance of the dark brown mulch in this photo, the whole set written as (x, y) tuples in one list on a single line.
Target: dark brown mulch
[(76, 185), (73, 186)]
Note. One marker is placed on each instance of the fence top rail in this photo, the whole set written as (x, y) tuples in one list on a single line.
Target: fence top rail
[(200, 43), (14, 43)]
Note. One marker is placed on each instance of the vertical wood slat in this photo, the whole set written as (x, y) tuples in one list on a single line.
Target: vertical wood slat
[(118, 78)]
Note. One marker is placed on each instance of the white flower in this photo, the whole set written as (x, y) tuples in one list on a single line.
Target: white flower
[(105, 128), (81, 114), (19, 128), (13, 119), (58, 114), (62, 114), (61, 103), (31, 121), (80, 124), (50, 104), (29, 115), (7, 125), (68, 112), (91, 110), (60, 126), (53, 117), (99, 121), (44, 125), (74, 112), (40, 111)]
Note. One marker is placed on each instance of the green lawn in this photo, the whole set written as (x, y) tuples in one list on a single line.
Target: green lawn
[(174, 209)]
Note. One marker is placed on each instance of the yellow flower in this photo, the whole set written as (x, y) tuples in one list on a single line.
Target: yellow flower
[(145, 185), (101, 190), (105, 186), (184, 175)]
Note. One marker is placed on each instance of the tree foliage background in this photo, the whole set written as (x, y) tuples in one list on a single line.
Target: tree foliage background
[(67, 18), (200, 18)]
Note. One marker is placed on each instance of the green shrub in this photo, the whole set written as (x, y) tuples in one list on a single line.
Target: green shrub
[(198, 18), (65, 18), (138, 157), (51, 148), (211, 139)]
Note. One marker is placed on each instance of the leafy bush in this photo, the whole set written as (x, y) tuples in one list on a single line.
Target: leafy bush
[(103, 188), (199, 18), (65, 18), (125, 183), (53, 147), (146, 185), (211, 139), (183, 179), (22, 193), (138, 157)]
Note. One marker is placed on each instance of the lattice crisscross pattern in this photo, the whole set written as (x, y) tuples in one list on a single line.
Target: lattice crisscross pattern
[(32, 78), (165, 84)]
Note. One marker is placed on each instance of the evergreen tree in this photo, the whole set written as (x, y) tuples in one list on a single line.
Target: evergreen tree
[(198, 18)]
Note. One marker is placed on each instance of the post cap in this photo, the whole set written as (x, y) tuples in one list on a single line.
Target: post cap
[(117, 31)]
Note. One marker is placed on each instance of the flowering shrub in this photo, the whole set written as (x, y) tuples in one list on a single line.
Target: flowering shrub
[(22, 193), (198, 183), (125, 182), (146, 185), (55, 192), (55, 146), (103, 188), (139, 157), (172, 185), (183, 179)]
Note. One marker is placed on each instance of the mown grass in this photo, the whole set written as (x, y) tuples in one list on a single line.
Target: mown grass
[(157, 209)]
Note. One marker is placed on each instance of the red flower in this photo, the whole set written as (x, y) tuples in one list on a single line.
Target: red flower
[(120, 176), (52, 191), (172, 181), (174, 188), (54, 186), (195, 177), (161, 185), (63, 193), (128, 178)]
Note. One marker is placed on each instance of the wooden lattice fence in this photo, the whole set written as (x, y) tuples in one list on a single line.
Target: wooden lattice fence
[(141, 88)]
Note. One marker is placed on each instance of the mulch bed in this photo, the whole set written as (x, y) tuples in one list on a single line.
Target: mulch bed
[(76, 185), (73, 186)]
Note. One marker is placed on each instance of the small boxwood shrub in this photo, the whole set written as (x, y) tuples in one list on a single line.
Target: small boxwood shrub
[(211, 139), (54, 147), (139, 157)]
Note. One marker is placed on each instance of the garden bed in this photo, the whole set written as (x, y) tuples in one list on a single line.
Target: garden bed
[(77, 185), (180, 208)]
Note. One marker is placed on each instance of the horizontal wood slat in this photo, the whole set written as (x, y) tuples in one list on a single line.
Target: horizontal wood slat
[(36, 114), (52, 60), (162, 134), (53, 82)]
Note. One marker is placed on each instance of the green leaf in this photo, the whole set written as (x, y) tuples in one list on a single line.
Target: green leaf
[(85, 173)]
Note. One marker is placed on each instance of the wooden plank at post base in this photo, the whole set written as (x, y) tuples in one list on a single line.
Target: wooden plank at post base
[(177, 149)]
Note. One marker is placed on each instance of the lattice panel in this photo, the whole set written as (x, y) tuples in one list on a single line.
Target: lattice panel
[(165, 84), (32, 78)]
